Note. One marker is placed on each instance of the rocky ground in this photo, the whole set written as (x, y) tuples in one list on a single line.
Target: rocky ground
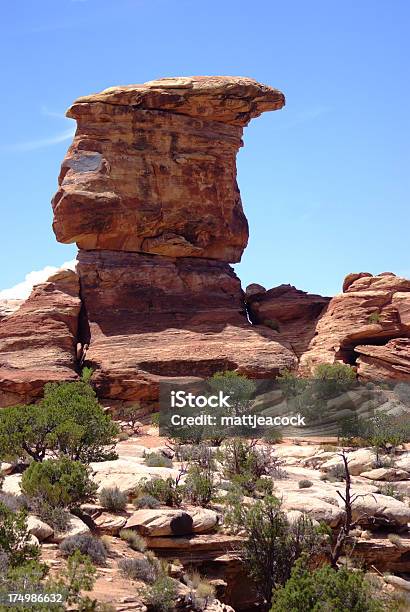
[(381, 542)]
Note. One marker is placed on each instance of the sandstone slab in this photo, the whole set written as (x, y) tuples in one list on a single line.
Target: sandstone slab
[(172, 521)]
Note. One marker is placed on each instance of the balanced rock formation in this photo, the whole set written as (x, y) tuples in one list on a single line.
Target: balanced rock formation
[(152, 167), (368, 325), (292, 312), (38, 341)]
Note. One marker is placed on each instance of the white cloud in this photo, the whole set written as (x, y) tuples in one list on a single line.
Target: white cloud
[(22, 290), (31, 145)]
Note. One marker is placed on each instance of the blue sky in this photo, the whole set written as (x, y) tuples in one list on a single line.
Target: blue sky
[(324, 182)]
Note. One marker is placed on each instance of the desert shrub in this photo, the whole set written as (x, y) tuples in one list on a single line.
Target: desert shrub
[(15, 545), (273, 436), (395, 539), (12, 501), (130, 414), (324, 589), (87, 545), (155, 418), (168, 491), (202, 591), (384, 431), (290, 384), (158, 460), (201, 454), (374, 317), (138, 569), (272, 544), (68, 422), (305, 484), (113, 499), (161, 595), (333, 379), (122, 436), (146, 501), (336, 473), (391, 491), (59, 483), (265, 486), (244, 463), (133, 539), (56, 516), (239, 388), (199, 487)]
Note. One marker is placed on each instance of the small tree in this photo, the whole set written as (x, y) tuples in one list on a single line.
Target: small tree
[(15, 543), (272, 544), (239, 388), (68, 421), (59, 483), (324, 589)]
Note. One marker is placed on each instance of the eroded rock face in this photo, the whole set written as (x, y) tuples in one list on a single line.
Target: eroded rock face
[(368, 325), (152, 317), (292, 312), (152, 167), (38, 341)]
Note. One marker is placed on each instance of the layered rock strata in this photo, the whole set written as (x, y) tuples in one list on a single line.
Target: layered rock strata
[(38, 341), (152, 167), (152, 317), (291, 312), (368, 325)]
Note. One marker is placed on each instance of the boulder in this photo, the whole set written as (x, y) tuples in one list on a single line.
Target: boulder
[(38, 528), (126, 474), (172, 521), (387, 474), (11, 484), (109, 523), (359, 461), (375, 510), (76, 528), (315, 507)]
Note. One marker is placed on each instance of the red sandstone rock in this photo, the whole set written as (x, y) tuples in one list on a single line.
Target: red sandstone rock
[(152, 167), (292, 312), (37, 342), (371, 319), (154, 317)]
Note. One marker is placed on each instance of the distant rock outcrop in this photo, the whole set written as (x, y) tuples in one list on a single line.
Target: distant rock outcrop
[(8, 306), (38, 341), (368, 325)]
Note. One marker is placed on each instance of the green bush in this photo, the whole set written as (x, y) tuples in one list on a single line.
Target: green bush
[(59, 483), (157, 459), (68, 422), (391, 491), (146, 501), (244, 463), (168, 492), (155, 418), (15, 545), (113, 499), (161, 596), (272, 544), (324, 589), (305, 484), (87, 545), (199, 486), (273, 436), (239, 388), (133, 539), (374, 317)]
